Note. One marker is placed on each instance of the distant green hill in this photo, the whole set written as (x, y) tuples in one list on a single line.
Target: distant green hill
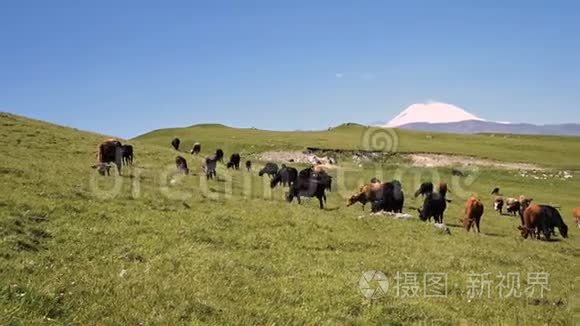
[(551, 151)]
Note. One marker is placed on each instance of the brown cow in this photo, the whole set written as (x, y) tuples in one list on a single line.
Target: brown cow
[(109, 151), (367, 193), (531, 220), (577, 216), (542, 218), (473, 213)]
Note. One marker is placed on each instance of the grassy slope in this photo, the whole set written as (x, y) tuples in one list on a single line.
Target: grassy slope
[(558, 152), (148, 257)]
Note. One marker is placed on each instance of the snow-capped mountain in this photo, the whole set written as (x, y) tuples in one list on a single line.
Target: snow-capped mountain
[(443, 117), (434, 112)]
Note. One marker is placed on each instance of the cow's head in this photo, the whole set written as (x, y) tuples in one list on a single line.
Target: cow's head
[(355, 199), (525, 202), (524, 231), (102, 168)]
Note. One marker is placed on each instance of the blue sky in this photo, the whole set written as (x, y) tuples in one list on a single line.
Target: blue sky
[(127, 67)]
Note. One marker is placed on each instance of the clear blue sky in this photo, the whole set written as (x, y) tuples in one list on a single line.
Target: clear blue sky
[(127, 67)]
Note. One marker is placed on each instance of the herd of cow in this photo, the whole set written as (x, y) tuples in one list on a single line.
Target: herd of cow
[(536, 220)]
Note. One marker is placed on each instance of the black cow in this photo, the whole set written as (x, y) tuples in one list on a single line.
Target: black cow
[(109, 151), (196, 149), (270, 169), (234, 161), (540, 219), (391, 198), (175, 143), (181, 164), (210, 166), (249, 165), (127, 154), (308, 184), (553, 219), (514, 207), (435, 203), (286, 176), (219, 155)]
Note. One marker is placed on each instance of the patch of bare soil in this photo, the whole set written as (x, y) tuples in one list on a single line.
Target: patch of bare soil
[(329, 158), (442, 160), (297, 157)]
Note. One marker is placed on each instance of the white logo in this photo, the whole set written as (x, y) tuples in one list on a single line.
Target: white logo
[(373, 285)]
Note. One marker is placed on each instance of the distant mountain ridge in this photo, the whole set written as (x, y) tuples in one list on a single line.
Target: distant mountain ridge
[(478, 126)]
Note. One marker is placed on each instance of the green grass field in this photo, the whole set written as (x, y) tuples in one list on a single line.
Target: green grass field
[(77, 248)]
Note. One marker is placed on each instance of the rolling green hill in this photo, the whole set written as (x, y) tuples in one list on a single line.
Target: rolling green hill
[(551, 151), (152, 247)]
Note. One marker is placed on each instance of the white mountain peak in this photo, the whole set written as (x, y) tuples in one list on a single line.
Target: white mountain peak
[(432, 112)]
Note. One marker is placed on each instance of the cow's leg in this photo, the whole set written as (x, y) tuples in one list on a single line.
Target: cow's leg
[(477, 224), (547, 232), (320, 202)]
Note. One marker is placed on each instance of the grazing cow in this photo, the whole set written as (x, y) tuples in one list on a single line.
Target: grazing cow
[(370, 192), (392, 199), (387, 197), (127, 154), (542, 218), (308, 184), (219, 155), (181, 164), (457, 173), (210, 166), (576, 214), (513, 206), (498, 204), (175, 143), (234, 161), (286, 176), (270, 169), (473, 213), (435, 204), (425, 189), (109, 151), (495, 191), (249, 165), (196, 149)]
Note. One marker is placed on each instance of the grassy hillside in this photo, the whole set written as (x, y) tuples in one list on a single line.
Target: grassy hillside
[(551, 151), (77, 248)]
